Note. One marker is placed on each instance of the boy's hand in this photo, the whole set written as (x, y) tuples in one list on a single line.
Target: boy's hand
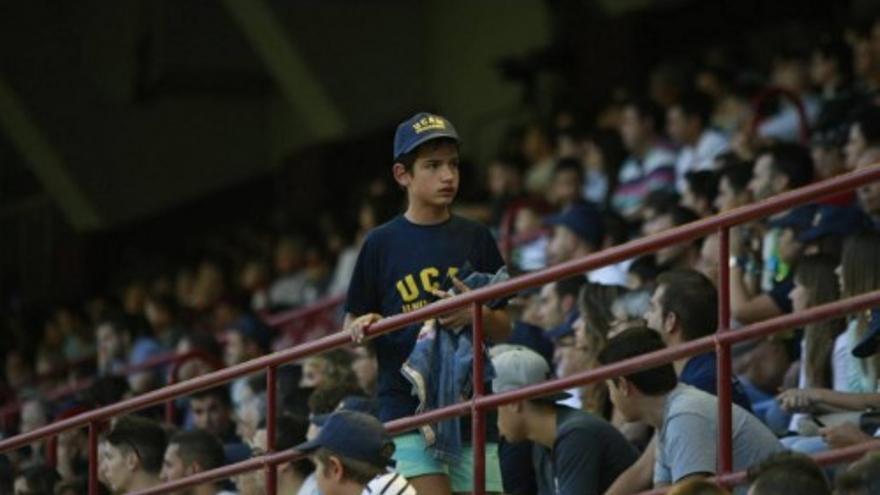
[(459, 317), (359, 324), (844, 435)]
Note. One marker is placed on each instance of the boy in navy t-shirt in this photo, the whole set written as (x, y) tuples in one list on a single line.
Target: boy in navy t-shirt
[(400, 268)]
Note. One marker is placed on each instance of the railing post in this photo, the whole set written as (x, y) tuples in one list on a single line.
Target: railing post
[(478, 418), (725, 382), (271, 388), (93, 458)]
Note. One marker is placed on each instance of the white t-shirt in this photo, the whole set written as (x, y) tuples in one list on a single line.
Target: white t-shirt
[(389, 484), (700, 157)]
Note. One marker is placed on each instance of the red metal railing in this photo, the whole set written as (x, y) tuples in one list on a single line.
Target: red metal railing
[(721, 342)]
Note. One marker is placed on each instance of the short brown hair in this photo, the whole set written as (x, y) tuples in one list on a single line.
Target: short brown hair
[(693, 299), (352, 469)]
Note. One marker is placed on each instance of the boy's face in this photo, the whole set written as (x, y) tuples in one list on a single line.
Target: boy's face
[(433, 180), (327, 476)]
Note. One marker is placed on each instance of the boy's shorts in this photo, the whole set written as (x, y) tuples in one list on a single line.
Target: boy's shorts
[(413, 460)]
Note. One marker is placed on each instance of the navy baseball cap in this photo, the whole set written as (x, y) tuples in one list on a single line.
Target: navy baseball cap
[(839, 221), (870, 344), (799, 218), (421, 128), (353, 435), (582, 218)]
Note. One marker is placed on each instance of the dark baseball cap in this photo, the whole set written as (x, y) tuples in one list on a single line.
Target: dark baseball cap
[(353, 435), (799, 218), (870, 344), (421, 128), (832, 220), (582, 218)]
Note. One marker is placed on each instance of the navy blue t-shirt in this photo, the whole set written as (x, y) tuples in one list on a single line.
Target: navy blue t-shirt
[(701, 372), (398, 264)]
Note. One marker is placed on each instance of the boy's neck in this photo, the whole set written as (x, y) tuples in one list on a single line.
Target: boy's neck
[(426, 215), (653, 410), (542, 426), (142, 480)]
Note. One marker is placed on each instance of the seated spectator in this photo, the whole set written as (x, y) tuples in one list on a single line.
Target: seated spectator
[(815, 284), (558, 432), (697, 487), (650, 166), (603, 153), (365, 368), (578, 231), (864, 133), (557, 313), (163, 314), (254, 280), (685, 418), (733, 182), (246, 338), (328, 369), (862, 477), (689, 126), (699, 192), (642, 272), (789, 72), (189, 453), (343, 466), (869, 194), (114, 338), (681, 256), (36, 480), (211, 410), (205, 343), (827, 152), (537, 149), (565, 186), (131, 458), (788, 472), (296, 477)]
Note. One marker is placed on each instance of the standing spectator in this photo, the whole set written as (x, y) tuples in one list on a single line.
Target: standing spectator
[(650, 166), (559, 432), (391, 278), (684, 417), (689, 126)]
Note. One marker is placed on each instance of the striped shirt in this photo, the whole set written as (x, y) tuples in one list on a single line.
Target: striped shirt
[(389, 484)]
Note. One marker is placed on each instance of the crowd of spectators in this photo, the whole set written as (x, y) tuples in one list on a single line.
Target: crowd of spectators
[(558, 190)]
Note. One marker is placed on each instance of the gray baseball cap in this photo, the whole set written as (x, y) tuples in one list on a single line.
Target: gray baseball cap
[(517, 367)]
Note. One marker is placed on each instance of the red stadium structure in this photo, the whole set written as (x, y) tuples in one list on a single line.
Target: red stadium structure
[(720, 341)]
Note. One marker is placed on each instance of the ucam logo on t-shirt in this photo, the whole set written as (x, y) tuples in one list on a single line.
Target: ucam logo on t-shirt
[(416, 290)]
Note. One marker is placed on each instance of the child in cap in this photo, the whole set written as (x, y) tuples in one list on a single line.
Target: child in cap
[(399, 269), (352, 455)]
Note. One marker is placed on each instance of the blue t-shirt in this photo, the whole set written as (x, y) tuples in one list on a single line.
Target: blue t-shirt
[(701, 372), (398, 264)]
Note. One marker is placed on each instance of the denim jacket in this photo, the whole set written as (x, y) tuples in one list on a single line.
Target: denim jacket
[(439, 369)]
